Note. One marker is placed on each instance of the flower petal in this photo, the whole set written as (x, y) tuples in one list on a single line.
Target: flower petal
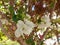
[(29, 23), (20, 24), (18, 33)]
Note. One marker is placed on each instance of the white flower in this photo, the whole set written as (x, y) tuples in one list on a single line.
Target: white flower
[(25, 27), (47, 22), (51, 41), (29, 23)]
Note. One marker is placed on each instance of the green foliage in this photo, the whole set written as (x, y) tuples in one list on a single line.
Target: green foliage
[(2, 36), (52, 5), (5, 41), (48, 36), (11, 9), (9, 42), (15, 18), (30, 41), (20, 14), (41, 42), (39, 20), (58, 20), (5, 0)]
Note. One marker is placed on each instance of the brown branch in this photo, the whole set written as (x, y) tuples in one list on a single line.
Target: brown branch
[(3, 15), (21, 41), (45, 33)]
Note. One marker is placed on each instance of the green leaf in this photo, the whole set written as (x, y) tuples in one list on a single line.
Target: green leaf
[(39, 20), (21, 10), (30, 41), (21, 13), (11, 9), (52, 5), (41, 42), (58, 20), (15, 18)]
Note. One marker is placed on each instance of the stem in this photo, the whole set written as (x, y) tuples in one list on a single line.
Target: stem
[(21, 41)]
